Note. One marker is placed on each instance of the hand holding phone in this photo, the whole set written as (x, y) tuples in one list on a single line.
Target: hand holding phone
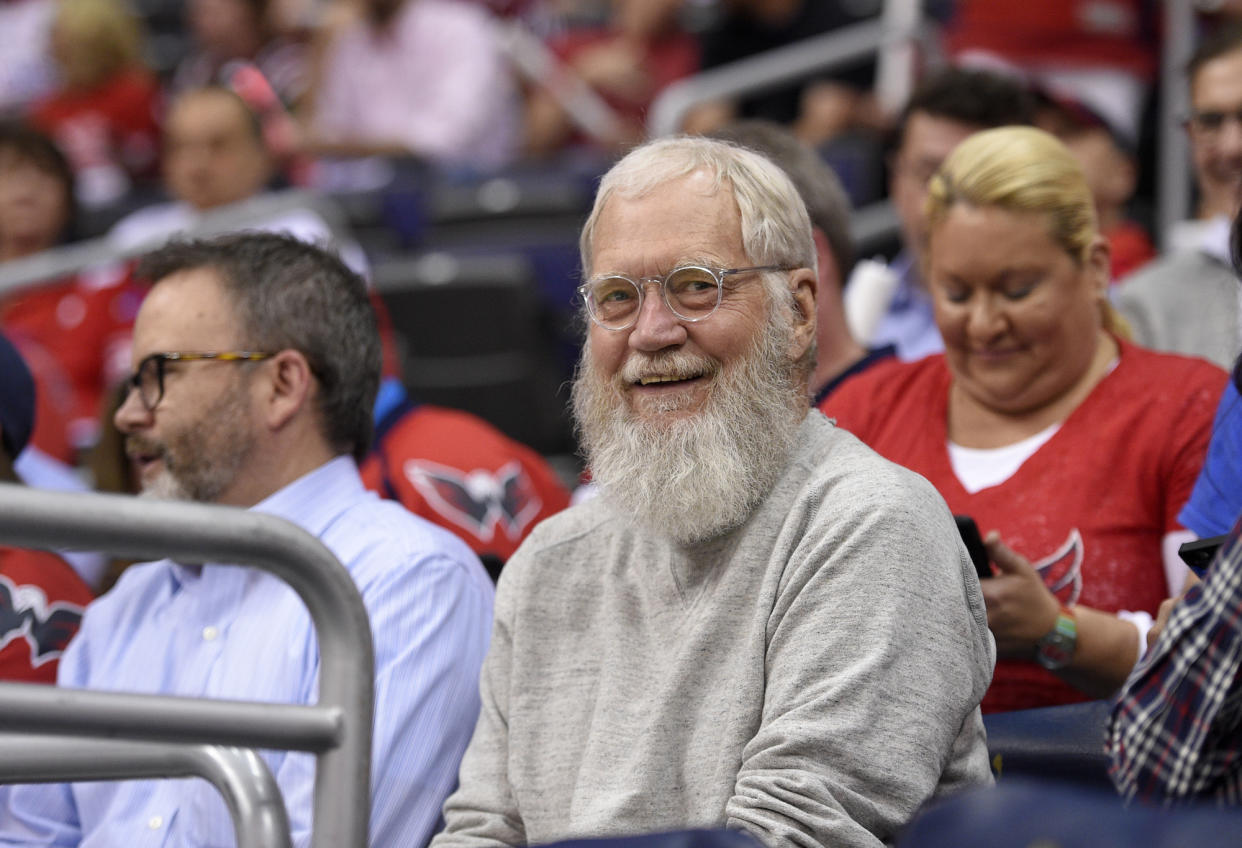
[(1200, 553), (969, 530)]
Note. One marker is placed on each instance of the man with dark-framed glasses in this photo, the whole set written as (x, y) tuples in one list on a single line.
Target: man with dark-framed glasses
[(1186, 301), (256, 361), (759, 623)]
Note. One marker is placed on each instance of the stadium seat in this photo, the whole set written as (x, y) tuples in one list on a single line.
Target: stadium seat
[(1021, 813), (1063, 743)]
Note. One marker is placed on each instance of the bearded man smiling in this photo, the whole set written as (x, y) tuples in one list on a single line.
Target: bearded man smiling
[(759, 624)]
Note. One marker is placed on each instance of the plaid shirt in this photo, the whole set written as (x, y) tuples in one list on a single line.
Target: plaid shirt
[(1176, 729)]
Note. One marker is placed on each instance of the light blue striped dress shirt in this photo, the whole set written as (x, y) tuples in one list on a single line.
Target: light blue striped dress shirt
[(224, 631)]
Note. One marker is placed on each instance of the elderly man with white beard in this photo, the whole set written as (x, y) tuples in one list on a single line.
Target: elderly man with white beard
[(760, 624)]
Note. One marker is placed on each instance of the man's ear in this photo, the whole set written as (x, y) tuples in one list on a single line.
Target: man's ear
[(805, 288), (289, 388), (827, 261)]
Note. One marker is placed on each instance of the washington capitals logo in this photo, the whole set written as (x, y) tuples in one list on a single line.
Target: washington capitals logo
[(478, 500), (1062, 569), (26, 614)]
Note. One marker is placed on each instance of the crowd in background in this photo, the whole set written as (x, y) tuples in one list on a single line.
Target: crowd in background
[(131, 124)]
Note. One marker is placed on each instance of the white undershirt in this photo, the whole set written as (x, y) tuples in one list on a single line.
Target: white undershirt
[(979, 468)]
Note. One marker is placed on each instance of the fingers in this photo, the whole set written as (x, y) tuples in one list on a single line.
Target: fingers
[(1006, 560), (1162, 619)]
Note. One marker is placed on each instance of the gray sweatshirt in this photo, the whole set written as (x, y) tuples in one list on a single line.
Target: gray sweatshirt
[(811, 677)]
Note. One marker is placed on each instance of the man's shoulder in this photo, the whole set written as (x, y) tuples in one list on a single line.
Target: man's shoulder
[(1167, 276), (844, 473), (380, 538)]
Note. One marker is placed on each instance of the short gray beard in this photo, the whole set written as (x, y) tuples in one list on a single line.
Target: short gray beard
[(694, 478), (202, 462)]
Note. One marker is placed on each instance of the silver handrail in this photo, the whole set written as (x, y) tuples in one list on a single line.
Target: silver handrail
[(773, 68), (1173, 176), (337, 728), (242, 778), (18, 274)]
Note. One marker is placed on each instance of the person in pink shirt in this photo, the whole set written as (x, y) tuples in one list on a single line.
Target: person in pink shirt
[(420, 77)]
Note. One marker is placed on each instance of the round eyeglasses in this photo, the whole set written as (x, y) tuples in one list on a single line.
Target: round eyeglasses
[(691, 292), (148, 380)]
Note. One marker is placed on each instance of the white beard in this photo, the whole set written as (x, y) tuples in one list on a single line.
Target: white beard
[(693, 478)]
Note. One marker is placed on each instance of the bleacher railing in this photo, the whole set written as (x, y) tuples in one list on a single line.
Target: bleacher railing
[(777, 67), (241, 776), (337, 728), (48, 265)]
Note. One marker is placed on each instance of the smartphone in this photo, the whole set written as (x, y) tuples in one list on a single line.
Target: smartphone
[(974, 545), (1200, 553)]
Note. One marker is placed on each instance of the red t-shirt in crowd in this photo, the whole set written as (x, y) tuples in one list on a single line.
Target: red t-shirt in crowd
[(1089, 508), (115, 123)]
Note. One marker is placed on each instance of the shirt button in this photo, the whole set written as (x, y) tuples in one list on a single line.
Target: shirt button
[(156, 822), (210, 633)]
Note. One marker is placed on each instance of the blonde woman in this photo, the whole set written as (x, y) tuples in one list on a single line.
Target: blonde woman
[(103, 115), (1073, 446)]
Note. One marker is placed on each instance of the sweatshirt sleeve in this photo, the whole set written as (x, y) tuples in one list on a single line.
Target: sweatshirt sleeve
[(483, 811), (879, 635)]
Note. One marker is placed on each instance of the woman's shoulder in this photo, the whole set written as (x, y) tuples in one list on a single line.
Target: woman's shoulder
[(878, 391), (1170, 370)]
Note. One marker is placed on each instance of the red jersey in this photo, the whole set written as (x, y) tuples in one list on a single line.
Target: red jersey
[(86, 329), (114, 123), (462, 473), (1089, 508), (41, 604), (1129, 249), (1062, 33)]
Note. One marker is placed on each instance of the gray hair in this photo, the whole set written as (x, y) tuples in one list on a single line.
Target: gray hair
[(775, 226), (291, 295)]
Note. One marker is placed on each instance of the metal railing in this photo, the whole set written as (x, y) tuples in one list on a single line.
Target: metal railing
[(337, 728), (1173, 173), (48, 265), (241, 776), (774, 68)]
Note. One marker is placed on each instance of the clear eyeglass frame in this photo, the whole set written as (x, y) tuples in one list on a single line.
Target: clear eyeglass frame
[(691, 292)]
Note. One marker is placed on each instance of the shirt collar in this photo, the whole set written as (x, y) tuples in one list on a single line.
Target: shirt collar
[(314, 500)]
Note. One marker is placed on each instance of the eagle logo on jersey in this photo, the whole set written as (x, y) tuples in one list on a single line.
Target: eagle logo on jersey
[(47, 628), (1062, 569), (480, 500)]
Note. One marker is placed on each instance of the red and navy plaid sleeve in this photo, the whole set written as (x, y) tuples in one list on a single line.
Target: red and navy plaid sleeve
[(1176, 729)]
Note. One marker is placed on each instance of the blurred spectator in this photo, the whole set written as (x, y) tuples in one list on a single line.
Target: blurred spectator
[(839, 356), (1175, 728), (818, 109), (943, 110), (229, 33), (215, 163), (1108, 162), (1188, 300), (1216, 502), (627, 60), (1101, 52), (41, 598), (26, 69), (215, 159), (103, 115), (68, 327), (1041, 422), (420, 77)]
